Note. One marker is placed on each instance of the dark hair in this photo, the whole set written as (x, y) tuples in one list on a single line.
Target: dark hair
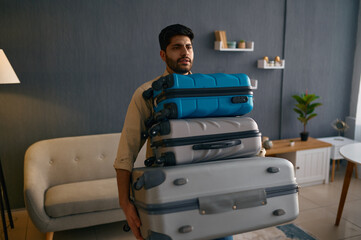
[(173, 30)]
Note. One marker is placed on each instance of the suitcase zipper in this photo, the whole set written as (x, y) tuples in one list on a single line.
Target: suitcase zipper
[(178, 206), (205, 138), (282, 190), (202, 92), (193, 204)]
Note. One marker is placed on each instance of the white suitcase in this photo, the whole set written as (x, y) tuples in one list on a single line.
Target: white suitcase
[(184, 141), (214, 199)]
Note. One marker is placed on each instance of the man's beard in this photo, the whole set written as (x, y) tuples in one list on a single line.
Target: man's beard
[(178, 68)]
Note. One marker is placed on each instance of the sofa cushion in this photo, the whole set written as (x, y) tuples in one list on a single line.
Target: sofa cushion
[(81, 197)]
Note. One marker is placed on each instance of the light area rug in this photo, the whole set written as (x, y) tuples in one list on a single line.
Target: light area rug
[(282, 232)]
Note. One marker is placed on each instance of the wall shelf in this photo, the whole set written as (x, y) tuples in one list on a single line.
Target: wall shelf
[(249, 47), (264, 65)]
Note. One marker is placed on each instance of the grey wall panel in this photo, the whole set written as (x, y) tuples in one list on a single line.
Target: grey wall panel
[(356, 74), (319, 48), (80, 61)]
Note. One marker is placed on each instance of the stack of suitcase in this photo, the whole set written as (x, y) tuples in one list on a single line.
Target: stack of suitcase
[(207, 181)]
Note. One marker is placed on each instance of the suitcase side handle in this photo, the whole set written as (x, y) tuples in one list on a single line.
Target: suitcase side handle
[(216, 145), (149, 180), (239, 99), (232, 201)]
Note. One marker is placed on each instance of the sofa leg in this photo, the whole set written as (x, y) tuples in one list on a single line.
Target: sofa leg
[(49, 235)]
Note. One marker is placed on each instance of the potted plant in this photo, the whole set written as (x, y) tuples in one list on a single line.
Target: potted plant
[(305, 108), (241, 44)]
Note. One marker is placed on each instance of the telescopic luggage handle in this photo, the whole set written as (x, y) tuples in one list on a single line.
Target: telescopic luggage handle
[(217, 145)]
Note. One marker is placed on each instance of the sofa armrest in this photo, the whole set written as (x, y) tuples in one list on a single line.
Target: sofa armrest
[(35, 186)]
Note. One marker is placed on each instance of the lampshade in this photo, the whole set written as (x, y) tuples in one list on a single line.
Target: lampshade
[(7, 74)]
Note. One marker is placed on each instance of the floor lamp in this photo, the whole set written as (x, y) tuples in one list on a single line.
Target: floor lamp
[(7, 76)]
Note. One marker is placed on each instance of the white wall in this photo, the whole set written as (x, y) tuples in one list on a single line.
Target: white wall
[(354, 120)]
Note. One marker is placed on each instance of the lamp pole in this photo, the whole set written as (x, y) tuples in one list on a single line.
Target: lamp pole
[(7, 76)]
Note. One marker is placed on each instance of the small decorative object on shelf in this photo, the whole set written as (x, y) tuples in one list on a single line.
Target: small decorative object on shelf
[(254, 84), (221, 37), (231, 44), (249, 47), (266, 64), (241, 44), (278, 62), (292, 143), (221, 43)]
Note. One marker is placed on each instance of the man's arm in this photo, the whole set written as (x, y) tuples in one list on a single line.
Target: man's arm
[(123, 180)]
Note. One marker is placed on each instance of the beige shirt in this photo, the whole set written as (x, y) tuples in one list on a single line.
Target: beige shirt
[(131, 140)]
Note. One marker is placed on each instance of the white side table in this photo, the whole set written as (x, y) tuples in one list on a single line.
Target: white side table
[(352, 153), (337, 143)]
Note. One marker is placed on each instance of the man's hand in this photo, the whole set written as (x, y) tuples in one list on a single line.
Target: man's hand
[(133, 220), (123, 180)]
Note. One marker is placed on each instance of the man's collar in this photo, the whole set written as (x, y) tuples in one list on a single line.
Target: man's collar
[(167, 73)]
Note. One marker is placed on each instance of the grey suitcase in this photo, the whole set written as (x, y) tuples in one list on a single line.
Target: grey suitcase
[(214, 199), (183, 141)]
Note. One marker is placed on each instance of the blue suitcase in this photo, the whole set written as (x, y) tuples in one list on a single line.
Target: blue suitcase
[(178, 96)]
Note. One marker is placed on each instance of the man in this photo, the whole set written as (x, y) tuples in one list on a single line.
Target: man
[(177, 53)]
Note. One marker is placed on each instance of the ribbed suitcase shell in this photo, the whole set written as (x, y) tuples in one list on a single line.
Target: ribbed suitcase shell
[(211, 200), (202, 95), (183, 141)]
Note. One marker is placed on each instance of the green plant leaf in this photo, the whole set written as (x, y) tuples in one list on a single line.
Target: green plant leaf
[(302, 107), (310, 110), (298, 99), (314, 105), (311, 116), (298, 111), (310, 98), (305, 108), (302, 120)]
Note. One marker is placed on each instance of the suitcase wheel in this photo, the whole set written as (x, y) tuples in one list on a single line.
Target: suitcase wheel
[(149, 122), (166, 159), (147, 94), (154, 130), (162, 115), (149, 161), (126, 228), (158, 84), (160, 161), (145, 135), (163, 83)]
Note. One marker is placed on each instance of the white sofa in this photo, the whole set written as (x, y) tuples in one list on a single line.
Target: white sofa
[(70, 182)]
